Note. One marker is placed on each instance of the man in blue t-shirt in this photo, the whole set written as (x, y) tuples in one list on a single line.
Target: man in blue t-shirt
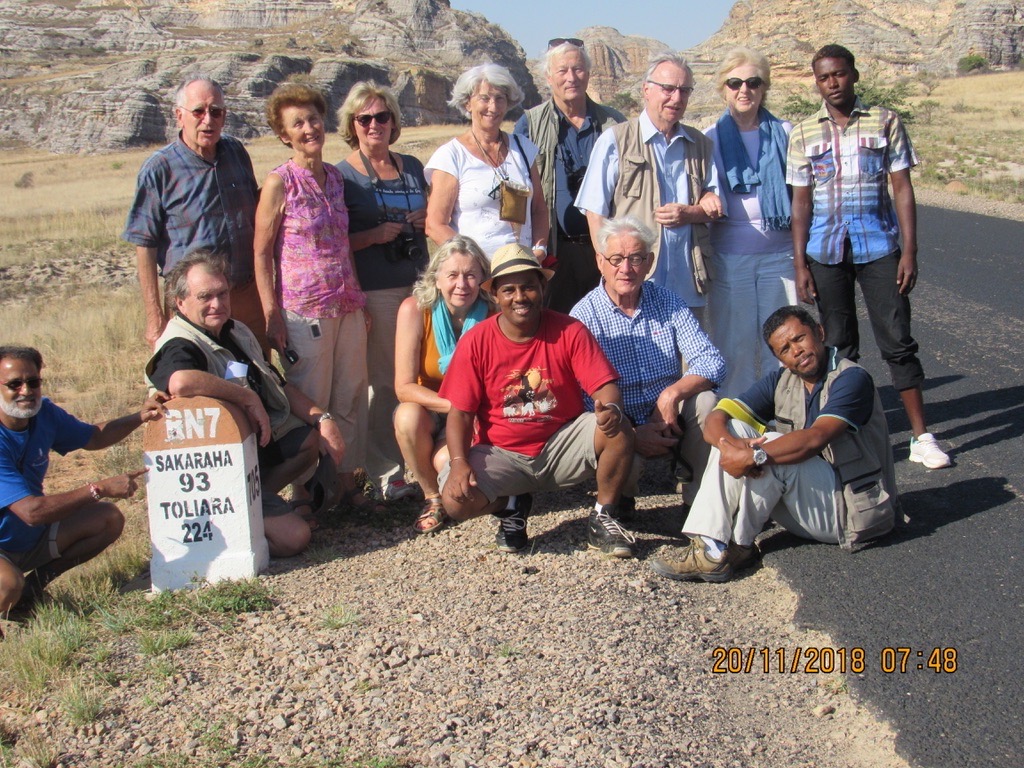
[(42, 536), (825, 474)]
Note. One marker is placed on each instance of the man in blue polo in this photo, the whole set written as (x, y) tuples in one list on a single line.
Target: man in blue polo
[(847, 229), (199, 192), (826, 474), (648, 333), (44, 535)]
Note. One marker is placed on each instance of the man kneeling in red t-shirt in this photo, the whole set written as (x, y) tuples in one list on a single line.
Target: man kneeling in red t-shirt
[(521, 374)]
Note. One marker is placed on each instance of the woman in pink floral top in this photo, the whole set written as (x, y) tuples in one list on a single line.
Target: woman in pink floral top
[(308, 286)]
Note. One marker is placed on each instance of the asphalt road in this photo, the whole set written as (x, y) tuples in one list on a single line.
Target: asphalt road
[(952, 579)]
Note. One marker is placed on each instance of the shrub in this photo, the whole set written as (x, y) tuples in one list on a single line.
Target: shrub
[(972, 62)]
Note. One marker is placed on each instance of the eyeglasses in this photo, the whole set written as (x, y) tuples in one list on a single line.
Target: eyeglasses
[(668, 90), (15, 385), (557, 41), (753, 83), (382, 118), (636, 260), (216, 113)]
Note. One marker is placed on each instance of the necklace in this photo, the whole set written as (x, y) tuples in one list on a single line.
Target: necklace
[(487, 155)]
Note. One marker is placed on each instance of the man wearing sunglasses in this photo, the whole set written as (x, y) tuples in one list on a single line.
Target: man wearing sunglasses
[(667, 365), (45, 535), (661, 171), (565, 128), (199, 192)]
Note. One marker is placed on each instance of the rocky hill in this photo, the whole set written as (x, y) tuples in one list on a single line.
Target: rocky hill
[(892, 39), (93, 75), (97, 75)]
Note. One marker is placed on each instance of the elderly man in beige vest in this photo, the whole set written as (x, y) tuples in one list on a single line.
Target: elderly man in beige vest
[(661, 171), (565, 128), (826, 474)]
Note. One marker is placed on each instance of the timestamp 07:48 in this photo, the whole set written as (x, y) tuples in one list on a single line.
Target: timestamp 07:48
[(813, 660)]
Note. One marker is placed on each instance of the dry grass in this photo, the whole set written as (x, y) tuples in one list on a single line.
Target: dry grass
[(969, 130)]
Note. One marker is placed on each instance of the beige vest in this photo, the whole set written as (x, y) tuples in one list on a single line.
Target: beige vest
[(218, 358), (638, 191), (868, 502)]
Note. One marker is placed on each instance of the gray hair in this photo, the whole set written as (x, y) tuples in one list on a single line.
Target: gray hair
[(666, 57), (738, 57), (179, 95), (425, 291), (470, 80), (562, 50), (625, 225), (176, 280)]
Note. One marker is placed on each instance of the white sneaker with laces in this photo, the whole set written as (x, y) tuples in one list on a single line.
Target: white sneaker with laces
[(924, 449), (399, 489)]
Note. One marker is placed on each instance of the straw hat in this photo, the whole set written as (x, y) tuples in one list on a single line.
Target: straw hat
[(512, 258)]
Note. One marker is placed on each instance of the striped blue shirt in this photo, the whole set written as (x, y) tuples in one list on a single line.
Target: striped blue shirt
[(648, 348), (848, 169)]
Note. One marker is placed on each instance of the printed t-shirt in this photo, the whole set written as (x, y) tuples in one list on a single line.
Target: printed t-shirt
[(522, 393)]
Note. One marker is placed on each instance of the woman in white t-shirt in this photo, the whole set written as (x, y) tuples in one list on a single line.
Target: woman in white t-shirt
[(752, 269), (484, 183)]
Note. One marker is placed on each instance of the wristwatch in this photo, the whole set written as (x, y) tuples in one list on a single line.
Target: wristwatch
[(760, 457), (325, 416)]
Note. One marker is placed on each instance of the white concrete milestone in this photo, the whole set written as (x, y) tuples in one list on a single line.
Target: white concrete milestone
[(203, 489)]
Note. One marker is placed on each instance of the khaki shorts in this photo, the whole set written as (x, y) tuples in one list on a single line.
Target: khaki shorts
[(44, 552), (568, 458)]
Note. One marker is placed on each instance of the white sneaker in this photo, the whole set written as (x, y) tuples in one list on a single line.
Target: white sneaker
[(924, 449), (399, 489)]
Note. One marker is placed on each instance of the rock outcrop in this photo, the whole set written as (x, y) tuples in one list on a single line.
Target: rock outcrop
[(99, 75)]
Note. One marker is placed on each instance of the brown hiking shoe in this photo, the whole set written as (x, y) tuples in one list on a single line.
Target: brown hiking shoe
[(695, 565), (742, 557)]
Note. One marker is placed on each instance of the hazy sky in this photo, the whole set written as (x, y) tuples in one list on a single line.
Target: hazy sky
[(534, 22)]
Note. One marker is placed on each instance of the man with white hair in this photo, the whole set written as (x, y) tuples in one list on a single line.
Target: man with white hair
[(565, 128), (198, 192), (668, 367), (661, 171)]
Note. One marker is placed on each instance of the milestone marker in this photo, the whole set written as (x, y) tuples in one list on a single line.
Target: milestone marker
[(203, 491)]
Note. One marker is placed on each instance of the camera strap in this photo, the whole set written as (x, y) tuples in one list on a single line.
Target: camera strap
[(378, 182)]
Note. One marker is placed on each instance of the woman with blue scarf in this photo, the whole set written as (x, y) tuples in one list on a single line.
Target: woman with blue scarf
[(752, 269), (446, 302)]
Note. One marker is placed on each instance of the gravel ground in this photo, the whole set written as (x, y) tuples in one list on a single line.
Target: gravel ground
[(389, 649), (453, 654)]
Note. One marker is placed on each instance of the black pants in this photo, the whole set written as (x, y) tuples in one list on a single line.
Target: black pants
[(888, 310), (575, 276)]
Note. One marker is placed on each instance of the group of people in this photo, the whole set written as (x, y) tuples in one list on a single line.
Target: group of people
[(558, 331)]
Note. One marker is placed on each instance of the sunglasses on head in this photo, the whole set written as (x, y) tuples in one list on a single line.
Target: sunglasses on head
[(382, 118), (557, 41), (216, 113), (15, 385), (753, 83)]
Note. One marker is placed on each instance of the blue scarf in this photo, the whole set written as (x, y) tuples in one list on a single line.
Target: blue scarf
[(770, 175), (444, 333)]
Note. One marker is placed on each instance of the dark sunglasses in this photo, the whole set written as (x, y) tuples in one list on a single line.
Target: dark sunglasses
[(216, 113), (753, 83), (382, 118), (15, 385), (557, 41)]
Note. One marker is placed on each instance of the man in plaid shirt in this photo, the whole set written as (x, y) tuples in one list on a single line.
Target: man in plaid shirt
[(847, 228), (667, 365)]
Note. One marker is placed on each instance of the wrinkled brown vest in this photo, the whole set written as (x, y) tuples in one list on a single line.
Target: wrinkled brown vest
[(868, 502)]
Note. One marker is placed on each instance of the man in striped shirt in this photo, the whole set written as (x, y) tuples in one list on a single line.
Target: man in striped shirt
[(847, 228)]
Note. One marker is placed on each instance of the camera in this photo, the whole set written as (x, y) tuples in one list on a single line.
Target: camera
[(406, 245)]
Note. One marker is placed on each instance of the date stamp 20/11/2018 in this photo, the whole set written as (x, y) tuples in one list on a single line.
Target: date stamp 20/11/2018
[(813, 660)]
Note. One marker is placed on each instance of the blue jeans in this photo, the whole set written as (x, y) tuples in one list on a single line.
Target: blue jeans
[(888, 310)]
